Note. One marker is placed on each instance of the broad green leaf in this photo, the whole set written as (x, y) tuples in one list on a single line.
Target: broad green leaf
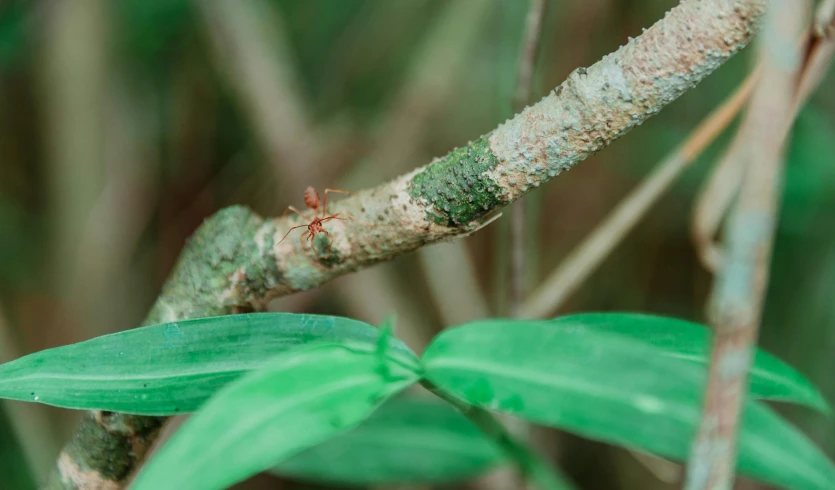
[(300, 399), (771, 378), (174, 367), (407, 440), (611, 388)]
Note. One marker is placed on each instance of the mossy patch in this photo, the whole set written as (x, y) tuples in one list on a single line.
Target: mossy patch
[(111, 453), (262, 274), (456, 187), (222, 245)]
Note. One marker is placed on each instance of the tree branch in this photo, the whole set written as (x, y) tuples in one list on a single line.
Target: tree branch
[(235, 262), (587, 256)]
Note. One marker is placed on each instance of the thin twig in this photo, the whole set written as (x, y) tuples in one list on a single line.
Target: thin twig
[(527, 59), (235, 262), (714, 199), (735, 305), (825, 20), (586, 257), (521, 98), (820, 54)]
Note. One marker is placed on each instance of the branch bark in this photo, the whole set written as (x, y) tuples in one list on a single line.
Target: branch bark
[(587, 256), (236, 262)]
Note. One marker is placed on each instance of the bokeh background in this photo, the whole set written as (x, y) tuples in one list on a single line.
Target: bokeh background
[(124, 124)]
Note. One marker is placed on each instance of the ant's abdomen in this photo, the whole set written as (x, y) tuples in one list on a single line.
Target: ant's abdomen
[(311, 198)]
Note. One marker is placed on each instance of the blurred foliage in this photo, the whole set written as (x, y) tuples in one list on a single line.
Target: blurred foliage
[(13, 32), (14, 470), (808, 200), (194, 142), (19, 246)]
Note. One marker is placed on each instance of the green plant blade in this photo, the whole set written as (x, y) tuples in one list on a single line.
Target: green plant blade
[(174, 367), (771, 378), (408, 440), (611, 388), (298, 400)]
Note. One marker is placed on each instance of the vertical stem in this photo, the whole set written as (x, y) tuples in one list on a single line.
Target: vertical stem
[(520, 209), (518, 276), (736, 301), (521, 97)]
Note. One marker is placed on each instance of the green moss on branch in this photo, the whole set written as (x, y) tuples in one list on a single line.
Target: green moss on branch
[(457, 189)]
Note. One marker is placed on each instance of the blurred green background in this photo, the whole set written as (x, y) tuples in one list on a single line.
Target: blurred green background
[(123, 124)]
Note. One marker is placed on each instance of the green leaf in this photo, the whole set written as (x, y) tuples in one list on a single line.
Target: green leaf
[(610, 388), (174, 367), (300, 399), (771, 378), (407, 440)]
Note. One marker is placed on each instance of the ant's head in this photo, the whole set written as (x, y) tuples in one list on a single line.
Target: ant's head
[(315, 226)]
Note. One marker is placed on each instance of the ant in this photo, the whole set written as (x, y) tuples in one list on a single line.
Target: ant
[(311, 200)]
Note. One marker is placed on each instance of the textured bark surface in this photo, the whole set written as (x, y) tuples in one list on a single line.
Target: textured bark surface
[(237, 262)]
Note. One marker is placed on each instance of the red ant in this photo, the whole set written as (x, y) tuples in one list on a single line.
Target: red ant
[(311, 199)]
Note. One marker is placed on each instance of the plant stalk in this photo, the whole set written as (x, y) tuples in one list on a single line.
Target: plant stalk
[(529, 464)]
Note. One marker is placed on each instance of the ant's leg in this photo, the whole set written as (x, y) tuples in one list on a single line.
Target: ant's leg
[(330, 239), (293, 209), (325, 201), (337, 216), (301, 238), (288, 232), (313, 245)]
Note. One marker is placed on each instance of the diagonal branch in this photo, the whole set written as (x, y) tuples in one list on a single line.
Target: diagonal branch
[(235, 262), (587, 256)]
